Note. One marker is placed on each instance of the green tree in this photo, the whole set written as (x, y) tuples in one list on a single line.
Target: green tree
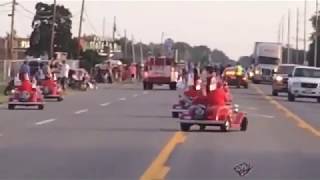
[(310, 53), (42, 23), (89, 59)]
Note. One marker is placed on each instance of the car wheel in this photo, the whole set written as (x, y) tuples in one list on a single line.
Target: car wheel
[(225, 127), (11, 106), (202, 127), (291, 97), (246, 86), (145, 85), (256, 81), (175, 114), (318, 100), (41, 107), (274, 93), (185, 127), (60, 99), (244, 125), (150, 86)]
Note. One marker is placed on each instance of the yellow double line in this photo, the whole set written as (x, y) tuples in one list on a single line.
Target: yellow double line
[(158, 169), (298, 120)]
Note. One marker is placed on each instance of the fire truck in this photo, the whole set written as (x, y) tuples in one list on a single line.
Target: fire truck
[(158, 71)]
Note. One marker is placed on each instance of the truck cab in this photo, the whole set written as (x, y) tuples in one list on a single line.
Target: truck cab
[(267, 56), (158, 71)]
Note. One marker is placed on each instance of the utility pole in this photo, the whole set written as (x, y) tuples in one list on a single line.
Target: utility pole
[(297, 38), (103, 28), (133, 51), (13, 9), (80, 28), (288, 53), (114, 32), (161, 45), (305, 33), (316, 38), (125, 45), (279, 31), (141, 53), (52, 28), (282, 30)]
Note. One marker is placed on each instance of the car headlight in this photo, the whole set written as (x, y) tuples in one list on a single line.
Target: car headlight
[(251, 74), (257, 71), (198, 87), (279, 78)]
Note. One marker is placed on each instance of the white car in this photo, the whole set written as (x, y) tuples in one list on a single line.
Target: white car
[(304, 82)]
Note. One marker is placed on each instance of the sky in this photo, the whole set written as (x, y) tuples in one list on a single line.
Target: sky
[(230, 26)]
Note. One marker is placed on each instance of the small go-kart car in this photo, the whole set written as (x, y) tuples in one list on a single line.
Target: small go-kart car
[(26, 96), (226, 117), (229, 75), (51, 90)]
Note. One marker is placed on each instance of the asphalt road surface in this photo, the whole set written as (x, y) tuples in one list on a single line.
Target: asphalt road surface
[(122, 132)]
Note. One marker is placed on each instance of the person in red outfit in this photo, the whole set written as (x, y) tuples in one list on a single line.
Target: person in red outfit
[(218, 97), (25, 86)]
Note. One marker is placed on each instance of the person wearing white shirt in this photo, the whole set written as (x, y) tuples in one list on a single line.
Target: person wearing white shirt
[(64, 74)]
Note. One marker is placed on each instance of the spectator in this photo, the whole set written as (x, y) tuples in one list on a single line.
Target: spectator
[(64, 73)]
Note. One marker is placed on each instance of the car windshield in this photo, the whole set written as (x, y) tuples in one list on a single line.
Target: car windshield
[(306, 72), (285, 69), (267, 60)]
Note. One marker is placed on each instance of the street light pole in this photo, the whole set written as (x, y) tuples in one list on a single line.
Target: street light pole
[(305, 33), (52, 28)]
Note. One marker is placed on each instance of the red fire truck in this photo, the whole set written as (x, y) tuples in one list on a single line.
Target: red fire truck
[(158, 71)]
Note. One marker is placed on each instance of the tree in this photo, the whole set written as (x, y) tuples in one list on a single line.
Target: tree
[(310, 53), (42, 23), (89, 59)]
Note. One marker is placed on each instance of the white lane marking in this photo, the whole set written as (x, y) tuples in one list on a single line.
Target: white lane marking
[(145, 92), (263, 116), (105, 104), (135, 95), (44, 122), (81, 111), (122, 99)]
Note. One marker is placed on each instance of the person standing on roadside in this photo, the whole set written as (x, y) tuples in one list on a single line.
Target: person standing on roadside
[(64, 74)]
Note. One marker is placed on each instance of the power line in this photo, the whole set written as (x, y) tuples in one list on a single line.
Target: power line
[(90, 23), (6, 4), (25, 9)]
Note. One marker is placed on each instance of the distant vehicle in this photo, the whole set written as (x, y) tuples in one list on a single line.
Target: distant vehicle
[(229, 75), (280, 78), (304, 81), (267, 56), (159, 71)]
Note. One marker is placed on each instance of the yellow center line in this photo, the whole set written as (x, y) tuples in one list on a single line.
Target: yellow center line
[(158, 169), (300, 122)]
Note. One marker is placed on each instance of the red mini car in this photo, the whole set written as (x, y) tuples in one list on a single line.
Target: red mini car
[(26, 95), (226, 117), (51, 90)]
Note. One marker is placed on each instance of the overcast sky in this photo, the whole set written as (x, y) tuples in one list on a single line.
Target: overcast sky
[(231, 26)]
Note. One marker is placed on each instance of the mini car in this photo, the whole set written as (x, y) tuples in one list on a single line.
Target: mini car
[(229, 75), (51, 90), (25, 95), (226, 117)]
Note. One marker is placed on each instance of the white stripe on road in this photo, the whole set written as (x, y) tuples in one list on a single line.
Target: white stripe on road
[(81, 111), (263, 116), (135, 95), (105, 104), (145, 92), (44, 122), (122, 99)]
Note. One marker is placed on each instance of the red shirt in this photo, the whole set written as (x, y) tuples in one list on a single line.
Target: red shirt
[(217, 98), (25, 86)]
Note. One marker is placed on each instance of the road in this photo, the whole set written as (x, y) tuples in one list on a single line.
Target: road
[(121, 132)]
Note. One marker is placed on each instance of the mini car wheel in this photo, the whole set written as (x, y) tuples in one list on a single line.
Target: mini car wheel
[(11, 106), (150, 86), (225, 127), (202, 127), (318, 100), (175, 114), (185, 127), (60, 99), (41, 107), (145, 85), (291, 97), (246, 86), (244, 125), (274, 93)]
